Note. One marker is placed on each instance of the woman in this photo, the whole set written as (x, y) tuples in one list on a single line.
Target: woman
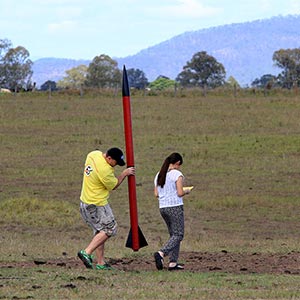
[(169, 191)]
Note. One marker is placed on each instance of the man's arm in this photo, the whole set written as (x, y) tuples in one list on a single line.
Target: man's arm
[(124, 174)]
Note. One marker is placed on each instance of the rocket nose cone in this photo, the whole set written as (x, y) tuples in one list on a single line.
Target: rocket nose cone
[(125, 85)]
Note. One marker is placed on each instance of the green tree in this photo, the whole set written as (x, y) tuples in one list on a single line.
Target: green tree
[(266, 81), (4, 47), (103, 72), (233, 82), (162, 83), (137, 79), (5, 44), (289, 61), (49, 85), (15, 66), (202, 70), (75, 77)]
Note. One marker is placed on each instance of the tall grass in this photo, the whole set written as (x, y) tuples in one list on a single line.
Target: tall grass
[(147, 285), (241, 154)]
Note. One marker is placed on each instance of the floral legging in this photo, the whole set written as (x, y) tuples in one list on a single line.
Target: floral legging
[(174, 218)]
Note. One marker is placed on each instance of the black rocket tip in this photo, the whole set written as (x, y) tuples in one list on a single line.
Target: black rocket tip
[(125, 85)]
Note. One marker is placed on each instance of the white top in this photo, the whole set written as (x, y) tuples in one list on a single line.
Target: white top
[(167, 195)]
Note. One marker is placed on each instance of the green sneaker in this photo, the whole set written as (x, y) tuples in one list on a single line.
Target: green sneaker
[(104, 267), (86, 259)]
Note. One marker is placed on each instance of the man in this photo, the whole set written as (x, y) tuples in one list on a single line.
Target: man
[(98, 181)]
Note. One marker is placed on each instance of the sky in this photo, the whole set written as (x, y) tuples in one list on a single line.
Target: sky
[(83, 29)]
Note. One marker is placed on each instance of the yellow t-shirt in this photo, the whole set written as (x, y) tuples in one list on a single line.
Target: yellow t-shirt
[(98, 179)]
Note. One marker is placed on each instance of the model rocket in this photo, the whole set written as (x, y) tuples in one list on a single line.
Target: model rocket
[(136, 239)]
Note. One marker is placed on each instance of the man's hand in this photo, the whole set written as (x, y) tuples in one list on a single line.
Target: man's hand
[(129, 171)]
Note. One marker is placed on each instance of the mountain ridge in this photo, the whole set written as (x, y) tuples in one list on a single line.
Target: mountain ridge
[(245, 50)]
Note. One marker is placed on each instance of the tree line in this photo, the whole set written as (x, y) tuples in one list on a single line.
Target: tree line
[(203, 71), (15, 67)]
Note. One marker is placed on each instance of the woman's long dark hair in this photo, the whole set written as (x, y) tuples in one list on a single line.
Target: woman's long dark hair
[(171, 159)]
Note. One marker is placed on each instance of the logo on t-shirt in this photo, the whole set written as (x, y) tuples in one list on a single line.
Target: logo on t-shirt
[(88, 170)]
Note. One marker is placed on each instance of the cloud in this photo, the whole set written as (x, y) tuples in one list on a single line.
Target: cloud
[(266, 5), (56, 2), (62, 27), (294, 7), (189, 9), (276, 7), (71, 12)]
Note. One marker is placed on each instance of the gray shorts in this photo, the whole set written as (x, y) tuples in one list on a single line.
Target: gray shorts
[(99, 218)]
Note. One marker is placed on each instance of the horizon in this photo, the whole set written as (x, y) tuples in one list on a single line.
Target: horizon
[(85, 29), (191, 31)]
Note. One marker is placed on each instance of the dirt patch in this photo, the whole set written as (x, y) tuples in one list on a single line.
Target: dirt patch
[(224, 261)]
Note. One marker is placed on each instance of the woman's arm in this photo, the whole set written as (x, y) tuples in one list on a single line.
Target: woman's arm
[(179, 186), (155, 192)]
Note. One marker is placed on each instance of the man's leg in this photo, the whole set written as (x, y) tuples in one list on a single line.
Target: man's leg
[(100, 255), (97, 243)]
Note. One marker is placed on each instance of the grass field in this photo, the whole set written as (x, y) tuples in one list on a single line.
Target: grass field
[(241, 154)]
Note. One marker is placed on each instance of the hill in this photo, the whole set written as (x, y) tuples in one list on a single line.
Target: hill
[(245, 50), (54, 69)]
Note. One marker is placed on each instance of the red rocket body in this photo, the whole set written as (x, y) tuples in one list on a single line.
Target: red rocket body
[(135, 240)]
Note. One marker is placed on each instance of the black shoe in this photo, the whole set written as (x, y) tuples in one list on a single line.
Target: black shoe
[(158, 261), (177, 267)]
